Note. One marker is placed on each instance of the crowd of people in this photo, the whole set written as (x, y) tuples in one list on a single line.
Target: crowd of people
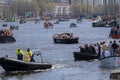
[(26, 56), (6, 32), (102, 49), (65, 36)]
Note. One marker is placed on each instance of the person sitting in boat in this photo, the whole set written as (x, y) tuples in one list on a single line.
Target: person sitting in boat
[(1, 32), (118, 51), (71, 35), (82, 50), (92, 49), (46, 23), (28, 57), (19, 53)]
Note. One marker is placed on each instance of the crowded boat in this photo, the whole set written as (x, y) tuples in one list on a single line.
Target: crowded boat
[(115, 32), (101, 51), (48, 24), (65, 38), (6, 36)]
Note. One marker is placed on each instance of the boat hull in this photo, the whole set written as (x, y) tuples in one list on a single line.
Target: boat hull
[(83, 56), (116, 36), (110, 62), (9, 64), (7, 39)]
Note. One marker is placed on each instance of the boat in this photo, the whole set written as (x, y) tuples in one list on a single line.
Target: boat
[(9, 64), (99, 24), (78, 56), (115, 36), (22, 20), (7, 39), (65, 38), (48, 25), (114, 74), (110, 62), (73, 25), (57, 22), (4, 25), (63, 19)]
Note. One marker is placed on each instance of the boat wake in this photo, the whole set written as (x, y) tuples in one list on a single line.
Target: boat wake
[(59, 66)]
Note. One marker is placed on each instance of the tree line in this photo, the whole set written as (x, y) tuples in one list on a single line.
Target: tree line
[(41, 7)]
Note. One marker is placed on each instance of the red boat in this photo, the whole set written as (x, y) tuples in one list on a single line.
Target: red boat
[(115, 36)]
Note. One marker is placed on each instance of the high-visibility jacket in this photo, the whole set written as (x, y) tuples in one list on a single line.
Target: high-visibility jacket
[(27, 56), (19, 52), (30, 53)]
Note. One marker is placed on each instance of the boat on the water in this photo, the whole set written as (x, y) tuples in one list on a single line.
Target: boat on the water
[(114, 74), (78, 56), (110, 62), (65, 38), (115, 36), (73, 25), (115, 33), (4, 25), (7, 39), (9, 64)]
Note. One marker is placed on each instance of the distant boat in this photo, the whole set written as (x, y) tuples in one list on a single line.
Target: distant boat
[(10, 64), (65, 38), (114, 74), (7, 39), (73, 25), (115, 36), (4, 25)]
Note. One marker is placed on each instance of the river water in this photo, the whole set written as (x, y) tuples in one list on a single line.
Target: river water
[(35, 37)]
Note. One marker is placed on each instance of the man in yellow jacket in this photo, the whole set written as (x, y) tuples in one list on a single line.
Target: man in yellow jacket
[(19, 53), (29, 55)]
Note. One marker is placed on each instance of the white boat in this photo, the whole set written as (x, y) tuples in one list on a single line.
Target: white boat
[(110, 62), (114, 74)]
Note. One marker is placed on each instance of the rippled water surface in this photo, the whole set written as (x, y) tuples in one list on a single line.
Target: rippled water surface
[(36, 37)]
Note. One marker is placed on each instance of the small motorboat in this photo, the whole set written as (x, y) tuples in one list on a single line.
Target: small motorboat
[(99, 24), (7, 39), (57, 22), (48, 25), (4, 25), (9, 64), (22, 21), (78, 56), (65, 38), (114, 74), (63, 19), (115, 36), (73, 25)]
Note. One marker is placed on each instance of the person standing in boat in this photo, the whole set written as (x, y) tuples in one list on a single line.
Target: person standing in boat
[(114, 47), (19, 53), (29, 56)]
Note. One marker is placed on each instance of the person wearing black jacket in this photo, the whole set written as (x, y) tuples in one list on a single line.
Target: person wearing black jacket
[(115, 47)]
